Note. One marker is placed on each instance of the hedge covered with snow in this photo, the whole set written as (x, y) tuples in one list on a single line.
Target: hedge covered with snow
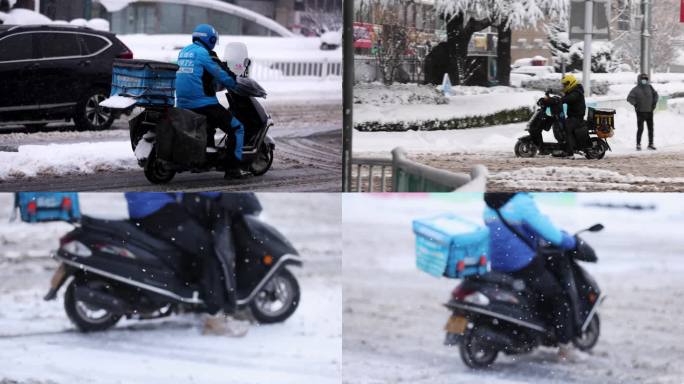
[(507, 116)]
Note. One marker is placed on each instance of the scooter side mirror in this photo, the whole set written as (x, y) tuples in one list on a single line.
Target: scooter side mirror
[(595, 228)]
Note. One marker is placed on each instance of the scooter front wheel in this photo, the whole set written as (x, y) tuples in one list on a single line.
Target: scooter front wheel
[(525, 148), (277, 300), (474, 351), (263, 162), (86, 317), (590, 337)]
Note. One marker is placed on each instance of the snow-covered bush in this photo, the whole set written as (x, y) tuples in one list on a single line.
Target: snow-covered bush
[(508, 116), (553, 83)]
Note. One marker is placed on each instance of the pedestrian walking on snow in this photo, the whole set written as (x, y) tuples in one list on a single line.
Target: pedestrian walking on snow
[(644, 99)]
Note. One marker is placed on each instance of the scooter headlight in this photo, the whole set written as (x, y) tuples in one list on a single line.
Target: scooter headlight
[(77, 248), (477, 298)]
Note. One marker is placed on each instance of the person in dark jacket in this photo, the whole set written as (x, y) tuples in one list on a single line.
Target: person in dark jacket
[(644, 99), (573, 96), (519, 257), (196, 224), (199, 73)]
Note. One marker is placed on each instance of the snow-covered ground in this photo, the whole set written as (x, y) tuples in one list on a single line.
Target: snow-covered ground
[(669, 136), (92, 152), (394, 318), (409, 103), (39, 345)]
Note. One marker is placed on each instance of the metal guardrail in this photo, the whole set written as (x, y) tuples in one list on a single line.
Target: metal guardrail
[(409, 176), (262, 70)]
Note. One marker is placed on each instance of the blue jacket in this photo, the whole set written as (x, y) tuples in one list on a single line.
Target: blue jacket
[(143, 204), (508, 252), (197, 71)]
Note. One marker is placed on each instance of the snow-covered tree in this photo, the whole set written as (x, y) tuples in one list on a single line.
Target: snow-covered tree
[(666, 31), (601, 57), (465, 17), (559, 44)]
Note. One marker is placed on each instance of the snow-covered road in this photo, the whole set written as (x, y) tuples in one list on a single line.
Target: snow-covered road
[(622, 169), (307, 157), (394, 318), (39, 345)]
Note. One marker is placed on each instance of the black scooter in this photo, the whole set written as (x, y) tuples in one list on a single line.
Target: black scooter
[(118, 270), (492, 313), (257, 150), (590, 138)]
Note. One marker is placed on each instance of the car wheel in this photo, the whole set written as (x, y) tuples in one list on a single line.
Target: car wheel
[(90, 115)]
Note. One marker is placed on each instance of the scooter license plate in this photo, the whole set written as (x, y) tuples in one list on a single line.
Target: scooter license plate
[(456, 324)]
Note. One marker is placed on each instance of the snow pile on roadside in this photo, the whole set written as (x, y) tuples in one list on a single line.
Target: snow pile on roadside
[(166, 47), (61, 159), (404, 94), (574, 178), (676, 106)]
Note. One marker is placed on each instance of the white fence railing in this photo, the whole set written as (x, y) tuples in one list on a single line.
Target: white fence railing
[(264, 70)]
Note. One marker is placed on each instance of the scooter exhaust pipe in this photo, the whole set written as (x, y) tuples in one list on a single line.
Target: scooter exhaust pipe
[(494, 340), (101, 300)]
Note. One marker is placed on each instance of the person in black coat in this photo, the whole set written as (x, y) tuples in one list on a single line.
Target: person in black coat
[(644, 99)]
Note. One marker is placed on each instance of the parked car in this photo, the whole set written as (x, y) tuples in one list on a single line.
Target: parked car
[(331, 40), (56, 72)]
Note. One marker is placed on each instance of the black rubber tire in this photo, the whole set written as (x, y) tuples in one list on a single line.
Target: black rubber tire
[(469, 353), (596, 155), (82, 323), (525, 149), (153, 173), (592, 335), (35, 127), (81, 115), (264, 318), (267, 152)]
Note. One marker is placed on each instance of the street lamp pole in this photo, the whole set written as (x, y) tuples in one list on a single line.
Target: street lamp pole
[(586, 63), (645, 62), (347, 92)]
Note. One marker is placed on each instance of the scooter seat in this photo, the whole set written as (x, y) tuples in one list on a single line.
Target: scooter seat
[(124, 229)]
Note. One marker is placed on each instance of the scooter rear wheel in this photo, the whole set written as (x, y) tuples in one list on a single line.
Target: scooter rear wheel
[(525, 148), (154, 172), (590, 337), (277, 300), (597, 150), (86, 317), (473, 353)]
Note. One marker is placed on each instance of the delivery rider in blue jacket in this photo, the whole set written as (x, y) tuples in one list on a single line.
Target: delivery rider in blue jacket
[(192, 221), (519, 257), (199, 73)]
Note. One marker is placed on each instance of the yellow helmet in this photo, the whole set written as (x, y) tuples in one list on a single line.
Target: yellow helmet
[(568, 82)]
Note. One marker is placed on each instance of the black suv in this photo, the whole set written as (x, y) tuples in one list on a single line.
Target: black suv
[(55, 72)]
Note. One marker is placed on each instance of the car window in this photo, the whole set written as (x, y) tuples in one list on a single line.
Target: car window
[(17, 47), (53, 44), (93, 43)]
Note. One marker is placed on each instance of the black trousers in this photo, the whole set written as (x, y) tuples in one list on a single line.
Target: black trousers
[(648, 118), (571, 124), (219, 117), (174, 224), (551, 298)]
